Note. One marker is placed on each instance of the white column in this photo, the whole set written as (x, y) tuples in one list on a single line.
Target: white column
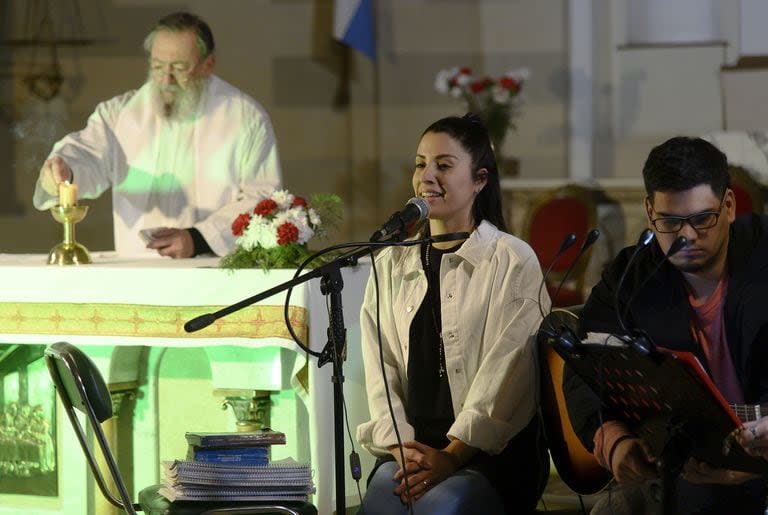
[(582, 103), (753, 38)]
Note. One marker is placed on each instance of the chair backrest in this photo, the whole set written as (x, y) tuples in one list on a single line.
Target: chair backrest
[(550, 217), (748, 192), (81, 387)]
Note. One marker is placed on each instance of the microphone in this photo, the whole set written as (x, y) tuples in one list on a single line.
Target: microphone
[(416, 209), (200, 322), (645, 238), (569, 240), (566, 337), (589, 240), (677, 245)]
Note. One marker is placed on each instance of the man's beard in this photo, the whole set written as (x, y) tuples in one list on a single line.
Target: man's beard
[(184, 102)]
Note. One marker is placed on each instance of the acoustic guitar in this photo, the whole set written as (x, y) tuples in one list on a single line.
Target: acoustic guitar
[(577, 467), (750, 412)]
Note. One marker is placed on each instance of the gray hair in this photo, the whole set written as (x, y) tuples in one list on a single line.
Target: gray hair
[(180, 22)]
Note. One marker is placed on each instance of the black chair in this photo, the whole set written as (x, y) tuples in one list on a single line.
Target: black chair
[(81, 387)]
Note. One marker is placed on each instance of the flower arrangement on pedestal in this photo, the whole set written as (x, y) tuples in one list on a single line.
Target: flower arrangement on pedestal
[(496, 101), (276, 232)]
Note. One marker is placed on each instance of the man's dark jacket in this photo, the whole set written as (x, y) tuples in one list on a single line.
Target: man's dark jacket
[(660, 308)]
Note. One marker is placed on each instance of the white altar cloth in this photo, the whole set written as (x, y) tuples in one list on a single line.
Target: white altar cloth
[(119, 301)]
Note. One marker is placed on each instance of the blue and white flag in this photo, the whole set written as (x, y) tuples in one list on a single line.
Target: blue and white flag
[(353, 25)]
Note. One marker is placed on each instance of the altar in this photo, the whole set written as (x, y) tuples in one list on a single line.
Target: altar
[(128, 315)]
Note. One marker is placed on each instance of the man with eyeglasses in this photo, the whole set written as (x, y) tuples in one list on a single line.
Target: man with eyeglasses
[(708, 299), (184, 154)]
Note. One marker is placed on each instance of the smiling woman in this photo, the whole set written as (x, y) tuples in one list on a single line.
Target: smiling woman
[(458, 320)]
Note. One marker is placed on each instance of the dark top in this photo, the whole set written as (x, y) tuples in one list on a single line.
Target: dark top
[(429, 408)]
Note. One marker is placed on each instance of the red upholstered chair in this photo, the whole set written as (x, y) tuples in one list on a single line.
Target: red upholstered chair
[(748, 192), (551, 216)]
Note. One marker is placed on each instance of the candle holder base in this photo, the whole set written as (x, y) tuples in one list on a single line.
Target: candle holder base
[(69, 252)]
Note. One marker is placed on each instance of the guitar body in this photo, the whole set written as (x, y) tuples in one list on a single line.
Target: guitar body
[(577, 467)]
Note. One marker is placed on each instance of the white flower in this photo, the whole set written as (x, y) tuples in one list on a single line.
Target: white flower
[(456, 92), (305, 231), (463, 79), (314, 218), (519, 74), (283, 198), (500, 95), (443, 78), (260, 233)]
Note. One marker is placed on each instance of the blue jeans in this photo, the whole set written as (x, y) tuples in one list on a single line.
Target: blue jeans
[(465, 492)]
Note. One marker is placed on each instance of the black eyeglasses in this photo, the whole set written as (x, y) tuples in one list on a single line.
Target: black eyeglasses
[(699, 221)]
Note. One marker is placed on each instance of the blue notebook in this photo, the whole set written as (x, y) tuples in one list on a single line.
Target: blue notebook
[(240, 455)]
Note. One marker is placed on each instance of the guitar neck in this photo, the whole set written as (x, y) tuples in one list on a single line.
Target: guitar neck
[(750, 412)]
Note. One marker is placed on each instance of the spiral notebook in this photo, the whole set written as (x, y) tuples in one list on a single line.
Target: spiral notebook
[(281, 480)]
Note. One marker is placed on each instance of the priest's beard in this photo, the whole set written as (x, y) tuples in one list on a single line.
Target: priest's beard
[(184, 102)]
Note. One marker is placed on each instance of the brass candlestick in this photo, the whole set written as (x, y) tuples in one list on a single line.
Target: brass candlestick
[(69, 252)]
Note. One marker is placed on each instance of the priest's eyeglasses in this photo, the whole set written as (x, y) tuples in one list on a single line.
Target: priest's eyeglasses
[(699, 221)]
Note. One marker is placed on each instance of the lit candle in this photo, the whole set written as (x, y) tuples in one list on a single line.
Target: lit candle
[(67, 194)]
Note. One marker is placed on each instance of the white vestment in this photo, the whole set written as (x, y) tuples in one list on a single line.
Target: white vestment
[(197, 173)]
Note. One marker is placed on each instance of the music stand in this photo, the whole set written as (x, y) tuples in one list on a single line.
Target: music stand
[(668, 400)]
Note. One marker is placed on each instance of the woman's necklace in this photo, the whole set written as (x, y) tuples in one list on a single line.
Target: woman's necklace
[(441, 349)]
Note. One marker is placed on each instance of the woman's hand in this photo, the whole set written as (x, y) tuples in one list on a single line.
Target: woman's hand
[(426, 467)]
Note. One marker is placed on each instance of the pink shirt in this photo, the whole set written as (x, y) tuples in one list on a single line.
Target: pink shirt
[(708, 330)]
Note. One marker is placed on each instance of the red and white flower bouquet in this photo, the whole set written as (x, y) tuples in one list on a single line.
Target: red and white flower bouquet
[(496, 101), (276, 232)]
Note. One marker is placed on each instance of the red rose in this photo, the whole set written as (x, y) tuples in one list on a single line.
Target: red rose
[(510, 84), (299, 202), (287, 233), (465, 71), (240, 223), (266, 207)]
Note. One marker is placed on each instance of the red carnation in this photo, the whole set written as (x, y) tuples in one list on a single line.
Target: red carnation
[(465, 71), (299, 202), (287, 233), (240, 223), (477, 86), (510, 84), (266, 207)]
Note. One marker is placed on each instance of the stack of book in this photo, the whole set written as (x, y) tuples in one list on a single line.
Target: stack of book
[(251, 448), (236, 467)]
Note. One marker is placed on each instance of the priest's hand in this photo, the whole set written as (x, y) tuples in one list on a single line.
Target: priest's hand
[(54, 171), (176, 243)]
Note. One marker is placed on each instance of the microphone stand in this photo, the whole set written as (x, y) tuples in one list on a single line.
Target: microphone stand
[(334, 351)]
